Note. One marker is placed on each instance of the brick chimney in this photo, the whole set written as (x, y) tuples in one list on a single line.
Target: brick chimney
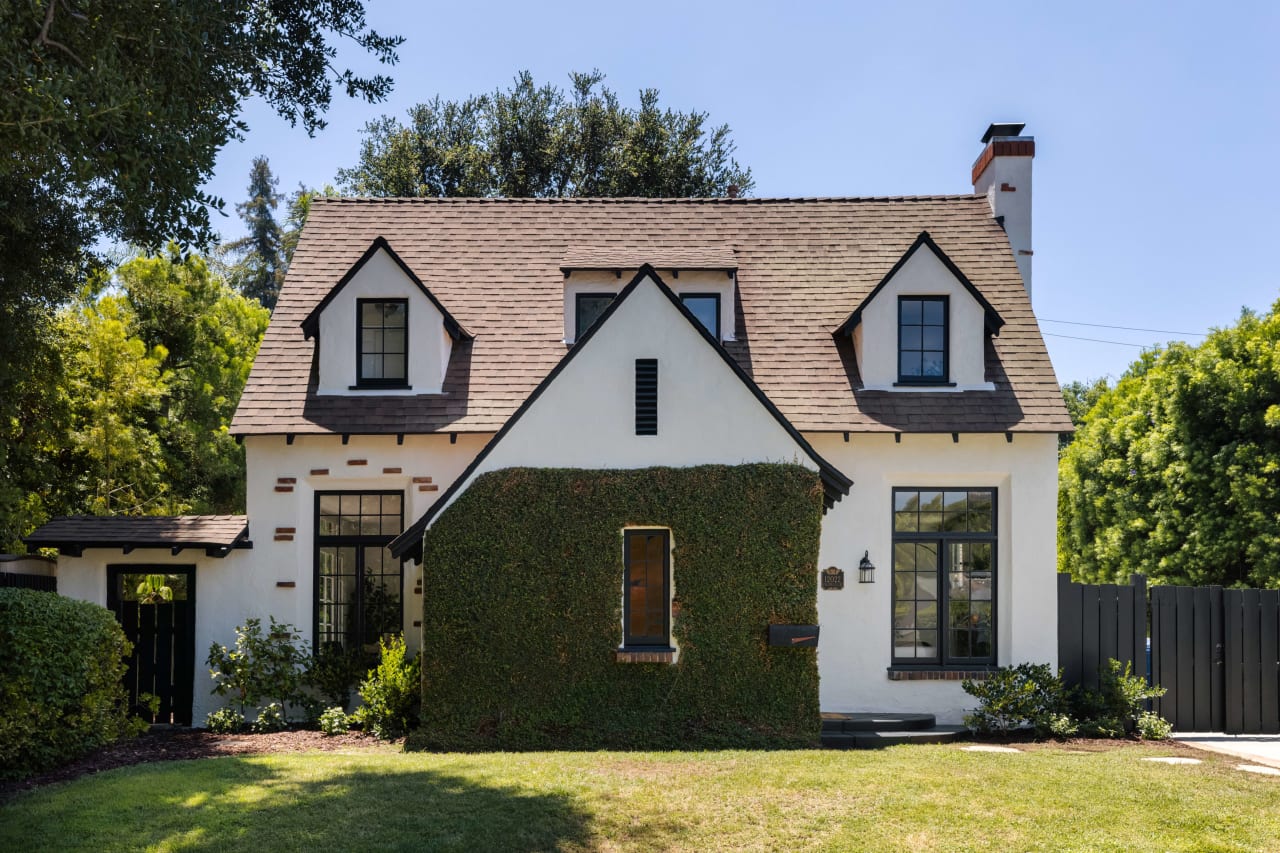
[(1003, 173)]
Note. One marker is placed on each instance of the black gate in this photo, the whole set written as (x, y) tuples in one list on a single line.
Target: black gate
[(1215, 651), (156, 606)]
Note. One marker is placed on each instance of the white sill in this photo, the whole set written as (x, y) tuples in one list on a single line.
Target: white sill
[(931, 389)]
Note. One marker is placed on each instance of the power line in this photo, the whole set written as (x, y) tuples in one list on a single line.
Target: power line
[(1121, 328), (1099, 341)]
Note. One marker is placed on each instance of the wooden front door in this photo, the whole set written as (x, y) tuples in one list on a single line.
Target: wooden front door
[(162, 628)]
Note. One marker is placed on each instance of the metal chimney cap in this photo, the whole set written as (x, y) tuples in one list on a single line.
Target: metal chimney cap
[(1006, 128)]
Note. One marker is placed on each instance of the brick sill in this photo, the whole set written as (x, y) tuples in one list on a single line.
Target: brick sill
[(645, 656), (939, 674)]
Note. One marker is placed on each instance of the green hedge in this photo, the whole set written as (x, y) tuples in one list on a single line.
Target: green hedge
[(61, 689), (522, 609)]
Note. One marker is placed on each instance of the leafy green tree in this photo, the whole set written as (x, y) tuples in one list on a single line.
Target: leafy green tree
[(111, 118), (1080, 398), (541, 141), (1176, 470), (260, 269)]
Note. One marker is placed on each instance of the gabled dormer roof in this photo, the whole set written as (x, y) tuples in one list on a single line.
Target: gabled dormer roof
[(311, 324), (834, 483), (991, 317)]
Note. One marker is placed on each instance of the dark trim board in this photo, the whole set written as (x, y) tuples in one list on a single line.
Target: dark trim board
[(311, 325), (992, 318), (408, 545)]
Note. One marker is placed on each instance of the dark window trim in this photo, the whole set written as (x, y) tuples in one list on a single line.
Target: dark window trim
[(357, 541), (715, 333), (945, 378), (361, 381), (578, 329), (644, 644), (115, 570), (943, 660)]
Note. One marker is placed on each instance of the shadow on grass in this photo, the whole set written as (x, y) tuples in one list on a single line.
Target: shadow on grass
[(246, 804)]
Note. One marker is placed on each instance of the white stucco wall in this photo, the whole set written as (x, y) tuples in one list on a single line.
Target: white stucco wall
[(429, 344), (855, 646), (690, 281), (876, 336), (586, 417)]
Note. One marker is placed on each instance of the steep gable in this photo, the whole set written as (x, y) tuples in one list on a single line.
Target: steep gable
[(585, 414)]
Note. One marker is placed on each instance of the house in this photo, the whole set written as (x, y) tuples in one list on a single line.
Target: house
[(882, 350)]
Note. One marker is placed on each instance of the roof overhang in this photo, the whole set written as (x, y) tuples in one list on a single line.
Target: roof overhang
[(217, 536)]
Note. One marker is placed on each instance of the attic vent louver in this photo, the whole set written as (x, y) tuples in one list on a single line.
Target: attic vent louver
[(646, 396)]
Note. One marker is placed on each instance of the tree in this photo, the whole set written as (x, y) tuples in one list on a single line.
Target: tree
[(540, 141), (261, 265), (1176, 471), (1080, 398), (111, 117)]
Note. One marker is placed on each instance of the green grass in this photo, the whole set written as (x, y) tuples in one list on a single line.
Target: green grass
[(905, 798)]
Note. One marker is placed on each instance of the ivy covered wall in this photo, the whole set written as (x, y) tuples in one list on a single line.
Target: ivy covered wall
[(522, 610)]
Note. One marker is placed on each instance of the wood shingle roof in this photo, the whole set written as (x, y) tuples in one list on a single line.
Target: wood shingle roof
[(803, 265)]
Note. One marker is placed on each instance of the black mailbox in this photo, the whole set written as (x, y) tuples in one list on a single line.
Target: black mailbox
[(794, 636)]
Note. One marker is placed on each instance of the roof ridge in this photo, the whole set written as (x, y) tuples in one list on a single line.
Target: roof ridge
[(580, 200)]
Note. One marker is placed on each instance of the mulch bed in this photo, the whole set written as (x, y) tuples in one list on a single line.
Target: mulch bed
[(183, 744)]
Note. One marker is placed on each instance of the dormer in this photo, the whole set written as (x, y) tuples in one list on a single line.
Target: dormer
[(703, 277), (924, 326), (381, 331)]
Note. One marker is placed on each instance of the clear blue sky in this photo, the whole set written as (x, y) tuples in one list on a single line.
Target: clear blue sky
[(1157, 186)]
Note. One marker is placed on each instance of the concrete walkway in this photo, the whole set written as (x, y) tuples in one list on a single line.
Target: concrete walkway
[(1260, 749)]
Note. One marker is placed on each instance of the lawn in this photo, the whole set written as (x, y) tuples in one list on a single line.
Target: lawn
[(916, 798)]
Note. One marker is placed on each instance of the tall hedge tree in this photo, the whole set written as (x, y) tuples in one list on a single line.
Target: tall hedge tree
[(542, 141), (1176, 471), (260, 267)]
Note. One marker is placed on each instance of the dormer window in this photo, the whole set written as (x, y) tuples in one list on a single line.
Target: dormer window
[(587, 309), (706, 307), (922, 339), (382, 348)]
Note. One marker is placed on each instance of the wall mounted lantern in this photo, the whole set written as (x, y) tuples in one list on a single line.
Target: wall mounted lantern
[(866, 569)]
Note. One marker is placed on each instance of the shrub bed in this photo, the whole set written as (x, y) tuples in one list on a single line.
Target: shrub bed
[(522, 597), (61, 689)]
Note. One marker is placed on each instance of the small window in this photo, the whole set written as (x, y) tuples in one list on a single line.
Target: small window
[(382, 343), (647, 604), (922, 339), (706, 307), (587, 309)]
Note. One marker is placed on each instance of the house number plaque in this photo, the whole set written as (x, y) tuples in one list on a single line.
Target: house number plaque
[(832, 578)]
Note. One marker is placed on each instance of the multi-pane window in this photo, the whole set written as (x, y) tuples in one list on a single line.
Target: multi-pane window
[(382, 339), (647, 603), (358, 582), (706, 307), (944, 575), (587, 309), (922, 339)]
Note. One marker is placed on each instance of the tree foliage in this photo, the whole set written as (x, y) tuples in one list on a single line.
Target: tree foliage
[(541, 141), (1176, 471), (261, 265), (1080, 397)]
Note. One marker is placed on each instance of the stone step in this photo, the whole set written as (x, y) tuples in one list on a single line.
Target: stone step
[(873, 722), (878, 740)]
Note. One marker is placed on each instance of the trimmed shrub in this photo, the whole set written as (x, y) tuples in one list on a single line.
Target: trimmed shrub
[(61, 680), (522, 598), (1115, 708), (1029, 695), (391, 693)]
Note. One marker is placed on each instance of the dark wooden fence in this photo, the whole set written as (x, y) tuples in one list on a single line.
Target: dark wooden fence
[(1097, 622), (45, 583), (1215, 651)]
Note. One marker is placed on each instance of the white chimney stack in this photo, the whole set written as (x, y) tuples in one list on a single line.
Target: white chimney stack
[(1003, 173)]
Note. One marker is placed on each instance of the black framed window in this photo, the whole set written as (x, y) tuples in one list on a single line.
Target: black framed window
[(706, 307), (922, 339), (382, 343), (357, 582), (646, 614), (587, 308), (944, 577)]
